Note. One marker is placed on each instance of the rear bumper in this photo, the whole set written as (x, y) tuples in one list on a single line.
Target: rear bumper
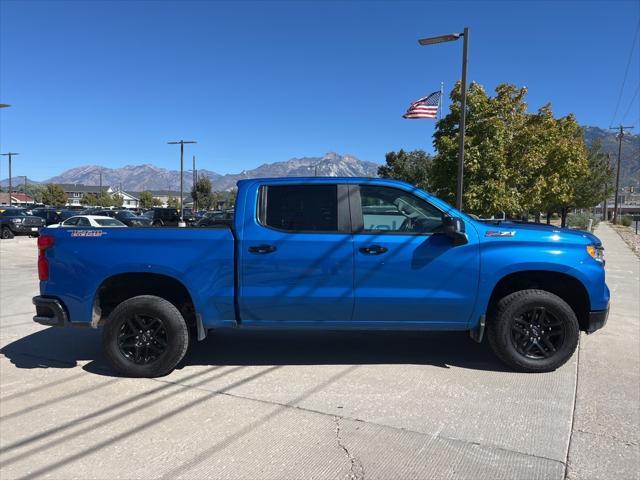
[(597, 319), (50, 312)]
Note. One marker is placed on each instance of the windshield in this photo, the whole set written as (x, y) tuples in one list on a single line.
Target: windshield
[(109, 222), (14, 213), (125, 214)]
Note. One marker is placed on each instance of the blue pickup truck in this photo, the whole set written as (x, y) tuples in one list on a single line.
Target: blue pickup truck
[(326, 253)]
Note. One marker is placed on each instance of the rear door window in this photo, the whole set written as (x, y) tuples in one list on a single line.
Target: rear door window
[(300, 208)]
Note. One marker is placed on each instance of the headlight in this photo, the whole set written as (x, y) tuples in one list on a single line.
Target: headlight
[(597, 253), (16, 220)]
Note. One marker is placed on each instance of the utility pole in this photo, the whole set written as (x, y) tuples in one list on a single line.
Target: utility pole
[(181, 143), (621, 130), (194, 176), (100, 195), (606, 192), (10, 155)]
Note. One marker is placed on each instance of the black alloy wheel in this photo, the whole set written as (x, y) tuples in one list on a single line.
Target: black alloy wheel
[(533, 331), (537, 333), (142, 339)]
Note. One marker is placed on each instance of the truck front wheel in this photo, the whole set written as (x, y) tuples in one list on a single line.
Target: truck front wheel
[(533, 331), (145, 336)]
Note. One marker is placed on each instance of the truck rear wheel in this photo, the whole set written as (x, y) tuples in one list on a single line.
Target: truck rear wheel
[(145, 336), (533, 331)]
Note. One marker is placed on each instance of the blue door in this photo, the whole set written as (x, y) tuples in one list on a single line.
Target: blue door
[(296, 257), (406, 272)]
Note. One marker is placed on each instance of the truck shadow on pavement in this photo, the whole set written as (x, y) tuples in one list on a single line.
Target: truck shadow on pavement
[(64, 348)]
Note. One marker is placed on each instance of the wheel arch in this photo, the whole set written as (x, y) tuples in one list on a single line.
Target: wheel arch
[(567, 287), (122, 286)]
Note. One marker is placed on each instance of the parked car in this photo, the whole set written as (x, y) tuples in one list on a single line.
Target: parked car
[(163, 217), (15, 221), (215, 219), (312, 253), (84, 221), (127, 217), (53, 215)]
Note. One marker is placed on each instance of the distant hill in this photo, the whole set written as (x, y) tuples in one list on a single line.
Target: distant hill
[(137, 178), (630, 165)]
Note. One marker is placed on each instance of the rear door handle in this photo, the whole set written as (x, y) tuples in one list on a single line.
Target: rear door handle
[(262, 248), (373, 250)]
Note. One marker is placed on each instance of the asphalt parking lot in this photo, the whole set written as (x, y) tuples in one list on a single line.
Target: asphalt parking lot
[(247, 405)]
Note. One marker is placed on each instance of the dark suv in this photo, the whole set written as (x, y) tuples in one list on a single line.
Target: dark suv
[(163, 217), (15, 221), (52, 215), (127, 217)]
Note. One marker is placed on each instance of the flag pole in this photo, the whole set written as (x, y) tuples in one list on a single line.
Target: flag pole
[(440, 100)]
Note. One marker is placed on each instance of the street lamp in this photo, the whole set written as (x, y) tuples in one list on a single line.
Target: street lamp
[(181, 143), (450, 38), (9, 154)]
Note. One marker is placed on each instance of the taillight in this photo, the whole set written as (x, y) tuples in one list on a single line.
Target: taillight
[(44, 242)]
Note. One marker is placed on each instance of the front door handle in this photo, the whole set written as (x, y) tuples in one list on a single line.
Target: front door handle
[(262, 248), (373, 250)]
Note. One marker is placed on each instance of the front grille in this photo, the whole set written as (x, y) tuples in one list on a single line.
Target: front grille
[(33, 222)]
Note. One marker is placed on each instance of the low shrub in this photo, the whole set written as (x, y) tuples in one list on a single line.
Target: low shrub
[(626, 220), (581, 220)]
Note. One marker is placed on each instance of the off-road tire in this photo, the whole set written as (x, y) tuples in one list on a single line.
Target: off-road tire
[(499, 330), (177, 336), (6, 233)]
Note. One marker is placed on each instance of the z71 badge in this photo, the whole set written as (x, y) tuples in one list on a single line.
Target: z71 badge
[(500, 233), (87, 233)]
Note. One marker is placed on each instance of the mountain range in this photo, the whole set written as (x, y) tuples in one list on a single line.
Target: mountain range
[(136, 178)]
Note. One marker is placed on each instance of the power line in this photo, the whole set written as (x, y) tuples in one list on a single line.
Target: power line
[(631, 103), (624, 80)]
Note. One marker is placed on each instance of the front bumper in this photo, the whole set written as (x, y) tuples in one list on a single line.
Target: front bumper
[(50, 312), (597, 319), (20, 229)]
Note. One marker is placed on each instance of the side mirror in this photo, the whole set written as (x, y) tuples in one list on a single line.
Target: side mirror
[(453, 227)]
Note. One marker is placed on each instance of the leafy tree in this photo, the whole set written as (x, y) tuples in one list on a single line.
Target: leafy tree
[(89, 199), (117, 200), (155, 202), (412, 167), (146, 199), (201, 194), (592, 189), (54, 195), (491, 169), (172, 202), (105, 200)]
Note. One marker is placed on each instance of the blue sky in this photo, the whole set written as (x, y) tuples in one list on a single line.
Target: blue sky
[(111, 82)]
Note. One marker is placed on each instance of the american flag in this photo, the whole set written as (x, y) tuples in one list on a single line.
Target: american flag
[(426, 107)]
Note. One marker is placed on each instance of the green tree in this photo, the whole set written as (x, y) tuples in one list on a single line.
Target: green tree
[(146, 199), (491, 169), (89, 199), (201, 194), (592, 189), (155, 202), (117, 200), (172, 202), (412, 167), (54, 195)]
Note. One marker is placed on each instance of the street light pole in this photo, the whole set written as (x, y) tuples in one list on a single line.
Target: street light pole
[(463, 117), (181, 143), (463, 102), (10, 155)]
